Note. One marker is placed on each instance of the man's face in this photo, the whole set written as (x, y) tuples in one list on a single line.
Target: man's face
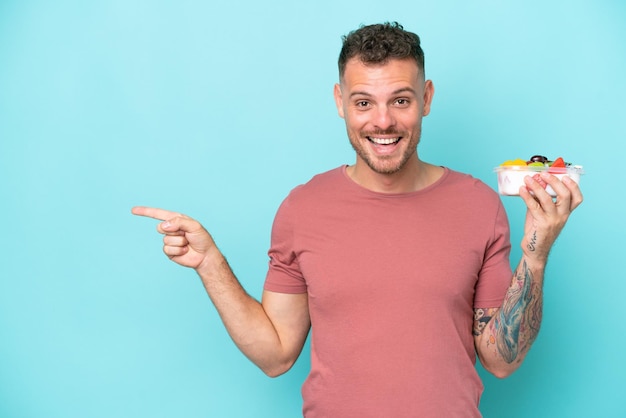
[(383, 106)]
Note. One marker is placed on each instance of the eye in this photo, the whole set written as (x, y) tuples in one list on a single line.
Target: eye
[(362, 103), (402, 102)]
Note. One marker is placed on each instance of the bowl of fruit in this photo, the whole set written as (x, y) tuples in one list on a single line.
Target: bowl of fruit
[(511, 173)]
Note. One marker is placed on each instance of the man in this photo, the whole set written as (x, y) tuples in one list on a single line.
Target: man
[(400, 268)]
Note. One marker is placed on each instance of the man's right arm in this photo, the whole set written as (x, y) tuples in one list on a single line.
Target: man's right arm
[(271, 333)]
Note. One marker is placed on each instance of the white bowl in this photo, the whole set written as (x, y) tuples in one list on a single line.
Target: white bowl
[(511, 177)]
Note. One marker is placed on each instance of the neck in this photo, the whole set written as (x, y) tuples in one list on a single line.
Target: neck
[(412, 177)]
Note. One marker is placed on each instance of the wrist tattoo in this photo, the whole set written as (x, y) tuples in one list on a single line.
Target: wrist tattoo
[(533, 241)]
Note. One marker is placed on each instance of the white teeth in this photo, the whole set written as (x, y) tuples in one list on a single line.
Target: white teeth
[(384, 141)]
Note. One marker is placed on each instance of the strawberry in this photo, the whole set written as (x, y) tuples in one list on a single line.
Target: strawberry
[(558, 163), (557, 166)]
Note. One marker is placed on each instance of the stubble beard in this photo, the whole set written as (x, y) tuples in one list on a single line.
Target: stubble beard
[(385, 164)]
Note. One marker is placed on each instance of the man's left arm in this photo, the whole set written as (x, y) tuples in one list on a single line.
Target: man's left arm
[(504, 335)]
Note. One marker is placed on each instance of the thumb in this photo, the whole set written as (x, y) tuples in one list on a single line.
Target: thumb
[(198, 237), (179, 225)]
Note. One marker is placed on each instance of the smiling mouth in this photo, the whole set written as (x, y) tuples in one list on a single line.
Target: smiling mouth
[(383, 141)]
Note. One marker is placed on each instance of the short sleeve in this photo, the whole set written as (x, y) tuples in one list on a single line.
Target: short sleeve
[(495, 275), (284, 275)]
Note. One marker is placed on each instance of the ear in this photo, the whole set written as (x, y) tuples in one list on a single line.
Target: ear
[(338, 100), (429, 92)]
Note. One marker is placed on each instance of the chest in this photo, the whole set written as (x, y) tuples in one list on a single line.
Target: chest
[(395, 254)]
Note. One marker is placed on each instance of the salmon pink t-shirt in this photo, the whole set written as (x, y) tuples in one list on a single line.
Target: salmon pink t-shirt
[(392, 281)]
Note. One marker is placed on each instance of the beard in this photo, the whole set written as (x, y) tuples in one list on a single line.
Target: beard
[(385, 164)]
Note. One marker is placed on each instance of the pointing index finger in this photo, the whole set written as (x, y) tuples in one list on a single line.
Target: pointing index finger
[(154, 213)]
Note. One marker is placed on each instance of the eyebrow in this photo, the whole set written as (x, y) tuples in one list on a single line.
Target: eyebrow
[(401, 90)]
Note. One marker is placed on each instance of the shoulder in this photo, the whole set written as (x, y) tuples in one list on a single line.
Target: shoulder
[(321, 188), (322, 184), (467, 185), (464, 179)]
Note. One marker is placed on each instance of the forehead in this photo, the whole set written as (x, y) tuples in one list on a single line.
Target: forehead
[(390, 75)]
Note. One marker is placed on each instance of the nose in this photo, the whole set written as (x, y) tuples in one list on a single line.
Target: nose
[(383, 118)]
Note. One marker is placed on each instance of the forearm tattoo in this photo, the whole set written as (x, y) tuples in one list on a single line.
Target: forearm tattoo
[(516, 325), (513, 327), (482, 318)]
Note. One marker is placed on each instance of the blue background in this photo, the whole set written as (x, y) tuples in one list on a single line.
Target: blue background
[(217, 109)]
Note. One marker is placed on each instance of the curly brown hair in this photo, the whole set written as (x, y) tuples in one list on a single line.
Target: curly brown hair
[(377, 44)]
